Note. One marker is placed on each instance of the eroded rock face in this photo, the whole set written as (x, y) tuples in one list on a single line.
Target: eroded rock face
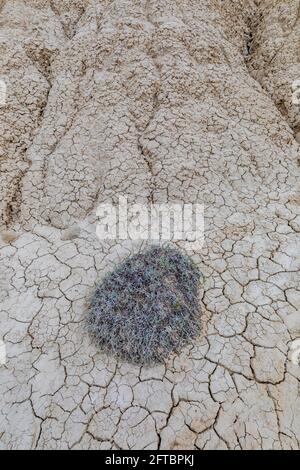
[(160, 101)]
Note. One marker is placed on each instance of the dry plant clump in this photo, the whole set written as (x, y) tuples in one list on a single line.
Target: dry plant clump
[(147, 307)]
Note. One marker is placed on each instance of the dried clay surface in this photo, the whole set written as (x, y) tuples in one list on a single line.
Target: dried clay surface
[(161, 101)]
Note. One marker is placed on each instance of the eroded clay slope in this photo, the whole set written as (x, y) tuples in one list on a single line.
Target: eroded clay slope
[(154, 100)]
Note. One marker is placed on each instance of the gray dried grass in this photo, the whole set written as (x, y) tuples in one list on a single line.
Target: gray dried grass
[(147, 307)]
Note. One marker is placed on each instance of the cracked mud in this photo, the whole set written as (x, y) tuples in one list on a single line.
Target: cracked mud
[(161, 101)]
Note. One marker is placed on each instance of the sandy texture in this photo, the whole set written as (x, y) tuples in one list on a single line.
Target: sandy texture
[(162, 101)]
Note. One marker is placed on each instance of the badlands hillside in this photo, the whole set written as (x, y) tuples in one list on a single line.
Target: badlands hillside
[(161, 101)]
